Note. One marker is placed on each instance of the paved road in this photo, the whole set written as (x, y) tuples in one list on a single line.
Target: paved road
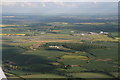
[(2, 74)]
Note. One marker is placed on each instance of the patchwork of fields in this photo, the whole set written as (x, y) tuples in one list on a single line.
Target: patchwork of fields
[(60, 50)]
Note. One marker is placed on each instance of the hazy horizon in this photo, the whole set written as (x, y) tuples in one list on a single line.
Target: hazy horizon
[(67, 8)]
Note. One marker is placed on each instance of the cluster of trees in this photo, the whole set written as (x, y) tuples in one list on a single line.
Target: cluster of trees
[(76, 46)]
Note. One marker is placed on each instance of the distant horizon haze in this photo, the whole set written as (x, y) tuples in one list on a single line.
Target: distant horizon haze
[(66, 8)]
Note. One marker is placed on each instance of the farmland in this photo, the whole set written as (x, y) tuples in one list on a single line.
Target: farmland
[(60, 48)]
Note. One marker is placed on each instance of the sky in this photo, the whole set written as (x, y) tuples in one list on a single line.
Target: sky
[(60, 0), (53, 8)]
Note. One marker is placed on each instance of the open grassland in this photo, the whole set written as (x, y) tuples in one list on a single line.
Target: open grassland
[(100, 38), (90, 75), (43, 76), (73, 62), (73, 57), (108, 53)]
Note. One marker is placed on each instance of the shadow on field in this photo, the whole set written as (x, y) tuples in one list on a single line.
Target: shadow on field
[(27, 62)]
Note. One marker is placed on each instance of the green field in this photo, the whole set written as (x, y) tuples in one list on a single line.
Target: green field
[(60, 49)]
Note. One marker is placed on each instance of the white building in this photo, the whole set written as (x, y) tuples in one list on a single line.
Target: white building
[(101, 32), (54, 47)]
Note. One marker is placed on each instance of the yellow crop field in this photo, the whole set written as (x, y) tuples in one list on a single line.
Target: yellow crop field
[(11, 25), (55, 63), (13, 34), (91, 23), (118, 38), (7, 25), (56, 30)]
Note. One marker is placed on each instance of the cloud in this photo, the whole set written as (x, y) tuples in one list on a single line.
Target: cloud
[(59, 7), (19, 4), (60, 0), (7, 3), (29, 4)]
